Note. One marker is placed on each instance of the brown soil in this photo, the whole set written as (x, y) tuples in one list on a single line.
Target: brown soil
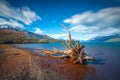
[(21, 64)]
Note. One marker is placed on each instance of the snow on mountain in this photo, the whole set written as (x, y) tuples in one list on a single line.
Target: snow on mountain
[(104, 38), (29, 34)]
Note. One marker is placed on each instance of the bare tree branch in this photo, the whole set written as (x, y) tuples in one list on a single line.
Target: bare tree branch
[(72, 49)]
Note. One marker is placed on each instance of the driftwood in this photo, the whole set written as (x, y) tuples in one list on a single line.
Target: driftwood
[(72, 50)]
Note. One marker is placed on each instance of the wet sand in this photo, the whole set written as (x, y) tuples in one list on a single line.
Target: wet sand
[(22, 64)]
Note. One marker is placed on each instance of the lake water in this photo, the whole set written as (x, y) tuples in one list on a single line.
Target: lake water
[(107, 64)]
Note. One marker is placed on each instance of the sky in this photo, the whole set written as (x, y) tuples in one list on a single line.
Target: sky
[(84, 18)]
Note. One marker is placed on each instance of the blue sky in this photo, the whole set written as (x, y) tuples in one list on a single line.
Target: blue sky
[(85, 18)]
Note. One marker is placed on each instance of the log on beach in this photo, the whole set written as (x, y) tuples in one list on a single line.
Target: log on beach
[(72, 49), (21, 64)]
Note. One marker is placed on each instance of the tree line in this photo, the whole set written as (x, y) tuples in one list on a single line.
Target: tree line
[(10, 36)]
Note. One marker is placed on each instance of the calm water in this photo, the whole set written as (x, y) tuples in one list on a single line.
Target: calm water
[(107, 64)]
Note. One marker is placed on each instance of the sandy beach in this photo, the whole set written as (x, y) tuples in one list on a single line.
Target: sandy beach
[(21, 64)]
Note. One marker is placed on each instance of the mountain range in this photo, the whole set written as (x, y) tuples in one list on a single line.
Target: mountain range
[(28, 33), (109, 38)]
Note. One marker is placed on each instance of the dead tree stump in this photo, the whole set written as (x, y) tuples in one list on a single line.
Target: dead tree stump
[(72, 49)]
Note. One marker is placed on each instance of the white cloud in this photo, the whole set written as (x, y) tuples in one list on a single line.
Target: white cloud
[(38, 31), (108, 16), (78, 18), (104, 22), (23, 15), (29, 16), (10, 22), (59, 36), (82, 36)]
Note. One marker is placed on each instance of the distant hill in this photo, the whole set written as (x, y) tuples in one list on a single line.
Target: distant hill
[(110, 38), (29, 34), (114, 40), (9, 34)]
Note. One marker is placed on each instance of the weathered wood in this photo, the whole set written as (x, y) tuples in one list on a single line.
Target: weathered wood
[(69, 36), (63, 44), (48, 52), (72, 49)]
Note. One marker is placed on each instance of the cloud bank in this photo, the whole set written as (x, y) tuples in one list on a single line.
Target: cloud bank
[(59, 36), (91, 24), (17, 17), (38, 31)]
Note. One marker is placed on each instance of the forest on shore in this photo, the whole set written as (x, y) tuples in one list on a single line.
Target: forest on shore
[(11, 36)]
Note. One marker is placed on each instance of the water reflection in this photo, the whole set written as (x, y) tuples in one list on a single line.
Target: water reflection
[(98, 61), (106, 66)]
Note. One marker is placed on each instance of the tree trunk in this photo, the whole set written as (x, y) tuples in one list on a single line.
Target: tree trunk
[(72, 49)]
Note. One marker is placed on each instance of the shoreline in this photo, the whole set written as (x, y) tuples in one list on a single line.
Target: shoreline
[(18, 63)]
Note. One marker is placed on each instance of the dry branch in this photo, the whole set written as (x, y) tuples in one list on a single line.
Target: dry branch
[(72, 49)]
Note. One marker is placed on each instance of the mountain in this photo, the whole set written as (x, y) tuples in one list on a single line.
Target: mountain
[(110, 38), (114, 40), (28, 33)]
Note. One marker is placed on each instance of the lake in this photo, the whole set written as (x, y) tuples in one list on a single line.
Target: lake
[(106, 65)]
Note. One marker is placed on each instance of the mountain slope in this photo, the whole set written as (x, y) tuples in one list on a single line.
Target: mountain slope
[(28, 34), (105, 38), (114, 40)]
